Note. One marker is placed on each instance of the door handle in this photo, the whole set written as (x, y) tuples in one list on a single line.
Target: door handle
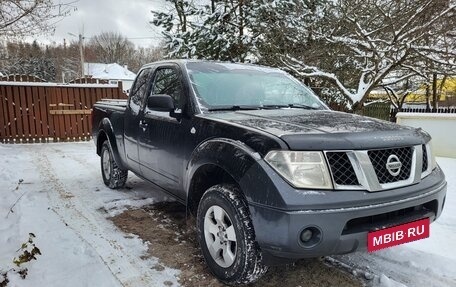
[(143, 124)]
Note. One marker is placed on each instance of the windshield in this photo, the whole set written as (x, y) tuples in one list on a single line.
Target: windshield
[(219, 85)]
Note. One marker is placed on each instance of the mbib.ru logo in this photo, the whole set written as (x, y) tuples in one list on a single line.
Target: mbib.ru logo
[(396, 235)]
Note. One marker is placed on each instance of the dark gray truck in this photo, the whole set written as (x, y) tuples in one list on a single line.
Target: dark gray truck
[(270, 173)]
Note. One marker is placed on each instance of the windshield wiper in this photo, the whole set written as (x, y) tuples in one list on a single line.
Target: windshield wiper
[(234, 108), (302, 106), (265, 107), (271, 106), (280, 106)]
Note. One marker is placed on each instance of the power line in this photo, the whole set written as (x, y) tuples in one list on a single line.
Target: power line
[(154, 37), (130, 38)]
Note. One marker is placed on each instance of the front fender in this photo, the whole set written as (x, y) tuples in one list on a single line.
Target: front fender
[(105, 127), (234, 157)]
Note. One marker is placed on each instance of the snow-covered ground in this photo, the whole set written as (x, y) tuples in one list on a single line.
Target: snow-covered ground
[(65, 204), (427, 262), (63, 201)]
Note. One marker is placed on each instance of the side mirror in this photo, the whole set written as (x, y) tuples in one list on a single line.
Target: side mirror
[(161, 103)]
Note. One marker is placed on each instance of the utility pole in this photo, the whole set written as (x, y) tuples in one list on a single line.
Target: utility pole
[(81, 51)]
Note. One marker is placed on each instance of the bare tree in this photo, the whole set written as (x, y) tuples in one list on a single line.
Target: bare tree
[(112, 47), (398, 92), (145, 55), (28, 17)]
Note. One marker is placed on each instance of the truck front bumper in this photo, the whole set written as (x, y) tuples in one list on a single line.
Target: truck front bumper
[(337, 230)]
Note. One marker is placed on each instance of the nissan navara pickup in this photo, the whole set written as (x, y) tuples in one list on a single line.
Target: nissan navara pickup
[(270, 173)]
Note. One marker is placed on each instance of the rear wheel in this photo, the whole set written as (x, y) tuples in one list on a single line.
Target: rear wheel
[(227, 237), (113, 176)]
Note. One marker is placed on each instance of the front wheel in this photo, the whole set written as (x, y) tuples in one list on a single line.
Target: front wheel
[(113, 176), (227, 237)]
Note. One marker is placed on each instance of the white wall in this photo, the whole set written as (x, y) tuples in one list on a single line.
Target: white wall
[(442, 128), (126, 84)]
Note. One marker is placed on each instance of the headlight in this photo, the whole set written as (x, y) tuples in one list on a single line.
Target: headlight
[(303, 169)]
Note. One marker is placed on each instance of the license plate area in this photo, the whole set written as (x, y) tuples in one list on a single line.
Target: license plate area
[(399, 234)]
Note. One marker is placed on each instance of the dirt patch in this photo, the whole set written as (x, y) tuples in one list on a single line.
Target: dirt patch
[(173, 241)]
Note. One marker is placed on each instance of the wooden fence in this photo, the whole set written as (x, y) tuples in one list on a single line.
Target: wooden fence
[(42, 112), (88, 80), (21, 78)]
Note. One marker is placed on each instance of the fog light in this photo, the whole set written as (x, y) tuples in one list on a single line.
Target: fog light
[(306, 235), (310, 236)]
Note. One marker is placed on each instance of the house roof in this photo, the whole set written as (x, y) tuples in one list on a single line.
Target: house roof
[(111, 71)]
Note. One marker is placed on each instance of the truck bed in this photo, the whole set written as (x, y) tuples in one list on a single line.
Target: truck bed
[(112, 104), (114, 111)]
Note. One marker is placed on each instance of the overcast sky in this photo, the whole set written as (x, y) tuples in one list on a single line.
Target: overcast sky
[(129, 17)]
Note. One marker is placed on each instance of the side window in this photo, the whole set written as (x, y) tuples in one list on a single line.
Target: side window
[(138, 91), (168, 82)]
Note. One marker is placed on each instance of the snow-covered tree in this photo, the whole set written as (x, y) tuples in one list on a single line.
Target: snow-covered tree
[(353, 45), (377, 37), (218, 30), (287, 28), (29, 59), (175, 24)]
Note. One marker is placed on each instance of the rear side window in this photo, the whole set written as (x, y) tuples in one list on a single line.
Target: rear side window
[(139, 90), (168, 82)]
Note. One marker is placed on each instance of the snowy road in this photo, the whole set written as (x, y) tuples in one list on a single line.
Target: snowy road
[(65, 203)]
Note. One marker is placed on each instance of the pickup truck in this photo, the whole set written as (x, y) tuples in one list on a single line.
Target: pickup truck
[(270, 173)]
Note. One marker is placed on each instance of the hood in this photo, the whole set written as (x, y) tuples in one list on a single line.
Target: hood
[(324, 129)]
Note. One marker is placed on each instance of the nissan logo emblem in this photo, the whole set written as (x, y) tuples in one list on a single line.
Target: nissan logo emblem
[(393, 165)]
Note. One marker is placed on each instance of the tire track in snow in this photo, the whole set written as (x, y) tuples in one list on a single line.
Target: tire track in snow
[(73, 211), (139, 195)]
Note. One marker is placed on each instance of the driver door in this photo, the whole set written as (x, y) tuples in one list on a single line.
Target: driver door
[(132, 117), (162, 135)]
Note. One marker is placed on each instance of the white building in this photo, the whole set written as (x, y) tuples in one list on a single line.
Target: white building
[(112, 72)]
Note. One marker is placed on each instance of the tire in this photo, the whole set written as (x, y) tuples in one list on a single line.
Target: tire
[(226, 236), (113, 176)]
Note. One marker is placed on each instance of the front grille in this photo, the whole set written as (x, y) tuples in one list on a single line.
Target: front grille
[(379, 159), (425, 159), (341, 168)]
